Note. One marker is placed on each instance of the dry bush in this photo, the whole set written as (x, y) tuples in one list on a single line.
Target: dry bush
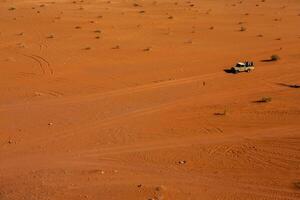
[(242, 29), (221, 113), (50, 36), (136, 5), (264, 100), (116, 47), (274, 57), (147, 49)]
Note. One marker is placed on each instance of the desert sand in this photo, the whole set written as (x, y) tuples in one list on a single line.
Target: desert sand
[(129, 100)]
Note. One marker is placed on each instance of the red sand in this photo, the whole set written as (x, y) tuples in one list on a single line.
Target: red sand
[(105, 100)]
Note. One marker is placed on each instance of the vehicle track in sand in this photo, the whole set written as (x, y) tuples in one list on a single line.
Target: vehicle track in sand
[(44, 65), (120, 92), (245, 186), (106, 122), (219, 142), (104, 157)]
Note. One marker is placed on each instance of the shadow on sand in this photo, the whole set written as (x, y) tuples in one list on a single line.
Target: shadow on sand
[(268, 60), (288, 85), (229, 71)]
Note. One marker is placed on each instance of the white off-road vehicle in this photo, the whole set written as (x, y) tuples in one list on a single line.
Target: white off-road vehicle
[(243, 67)]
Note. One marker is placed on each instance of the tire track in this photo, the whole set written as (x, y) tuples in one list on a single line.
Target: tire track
[(48, 64), (183, 142), (38, 61), (41, 62), (131, 114), (109, 121), (119, 92)]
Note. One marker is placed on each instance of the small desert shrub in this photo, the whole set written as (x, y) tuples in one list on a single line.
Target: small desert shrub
[(264, 100), (274, 57), (50, 36), (221, 113), (136, 5), (295, 86), (147, 49), (116, 47), (242, 29), (297, 184)]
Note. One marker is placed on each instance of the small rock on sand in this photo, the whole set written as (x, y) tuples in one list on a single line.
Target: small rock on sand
[(182, 162)]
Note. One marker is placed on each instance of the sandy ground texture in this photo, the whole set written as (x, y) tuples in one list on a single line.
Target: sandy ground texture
[(129, 100)]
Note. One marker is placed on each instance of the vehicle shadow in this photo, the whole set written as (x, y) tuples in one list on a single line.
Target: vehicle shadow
[(229, 71)]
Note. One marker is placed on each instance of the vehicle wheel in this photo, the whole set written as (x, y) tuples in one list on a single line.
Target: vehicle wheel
[(248, 70)]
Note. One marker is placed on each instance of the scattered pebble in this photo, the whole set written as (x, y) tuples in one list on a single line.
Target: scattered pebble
[(182, 162)]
